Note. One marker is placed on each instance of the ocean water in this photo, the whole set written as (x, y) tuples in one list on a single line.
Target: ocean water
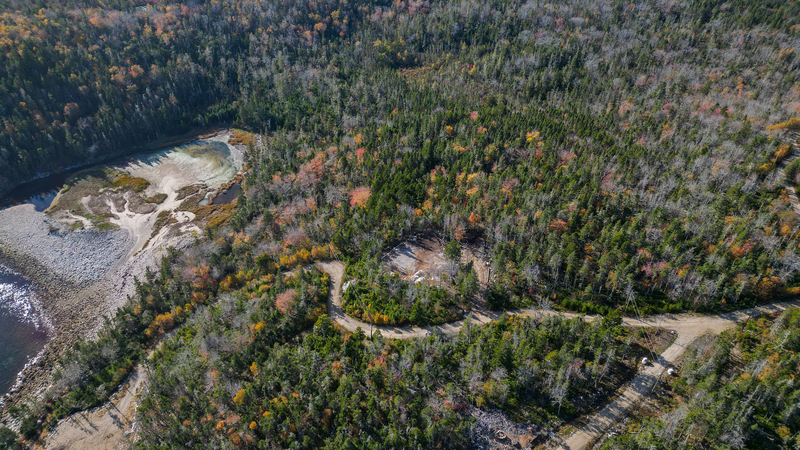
[(23, 330)]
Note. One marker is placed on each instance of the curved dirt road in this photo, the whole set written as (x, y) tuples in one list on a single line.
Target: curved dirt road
[(688, 327), (104, 427)]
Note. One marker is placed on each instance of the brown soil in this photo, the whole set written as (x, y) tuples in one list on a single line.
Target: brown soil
[(416, 259), (108, 427)]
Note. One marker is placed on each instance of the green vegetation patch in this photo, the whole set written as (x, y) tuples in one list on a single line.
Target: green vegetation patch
[(82, 184), (403, 394), (156, 199), (383, 298), (214, 215), (190, 190), (93, 182), (86, 183), (7, 438), (163, 219), (125, 182), (107, 226)]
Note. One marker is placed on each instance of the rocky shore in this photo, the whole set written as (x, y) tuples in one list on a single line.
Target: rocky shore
[(78, 257), (80, 277), (64, 303)]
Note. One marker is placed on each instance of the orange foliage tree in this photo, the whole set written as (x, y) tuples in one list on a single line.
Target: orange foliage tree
[(359, 196), (285, 300)]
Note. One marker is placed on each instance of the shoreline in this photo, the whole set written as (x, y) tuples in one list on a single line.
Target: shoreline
[(164, 142), (82, 277), (37, 374)]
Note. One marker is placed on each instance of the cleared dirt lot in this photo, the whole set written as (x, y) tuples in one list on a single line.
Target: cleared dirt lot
[(417, 259)]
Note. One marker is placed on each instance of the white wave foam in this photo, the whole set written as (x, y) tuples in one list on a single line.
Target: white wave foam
[(18, 299)]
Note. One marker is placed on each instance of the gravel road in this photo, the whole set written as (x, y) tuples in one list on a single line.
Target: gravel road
[(688, 327)]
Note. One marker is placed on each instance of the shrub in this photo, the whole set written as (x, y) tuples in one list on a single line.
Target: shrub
[(7, 438)]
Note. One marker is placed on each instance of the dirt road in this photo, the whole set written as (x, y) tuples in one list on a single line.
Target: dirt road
[(111, 426), (336, 270), (105, 427), (688, 327)]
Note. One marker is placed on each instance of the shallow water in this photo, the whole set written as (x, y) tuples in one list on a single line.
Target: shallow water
[(22, 331), (228, 195), (204, 162)]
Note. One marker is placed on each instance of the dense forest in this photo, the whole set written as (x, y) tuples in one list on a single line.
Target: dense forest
[(217, 381), (601, 151), (602, 157)]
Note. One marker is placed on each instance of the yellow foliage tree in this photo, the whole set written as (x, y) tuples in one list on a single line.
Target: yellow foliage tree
[(239, 397)]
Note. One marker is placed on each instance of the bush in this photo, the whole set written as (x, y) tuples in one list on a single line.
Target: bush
[(29, 427), (498, 299), (7, 438)]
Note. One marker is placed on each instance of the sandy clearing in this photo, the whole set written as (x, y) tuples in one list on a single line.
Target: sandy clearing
[(137, 225), (417, 259), (106, 427), (68, 218)]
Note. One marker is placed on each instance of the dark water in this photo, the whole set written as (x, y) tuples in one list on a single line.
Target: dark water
[(227, 196), (40, 192), (22, 331)]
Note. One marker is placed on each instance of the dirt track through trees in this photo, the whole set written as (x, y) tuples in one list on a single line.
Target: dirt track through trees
[(688, 327), (105, 427)]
